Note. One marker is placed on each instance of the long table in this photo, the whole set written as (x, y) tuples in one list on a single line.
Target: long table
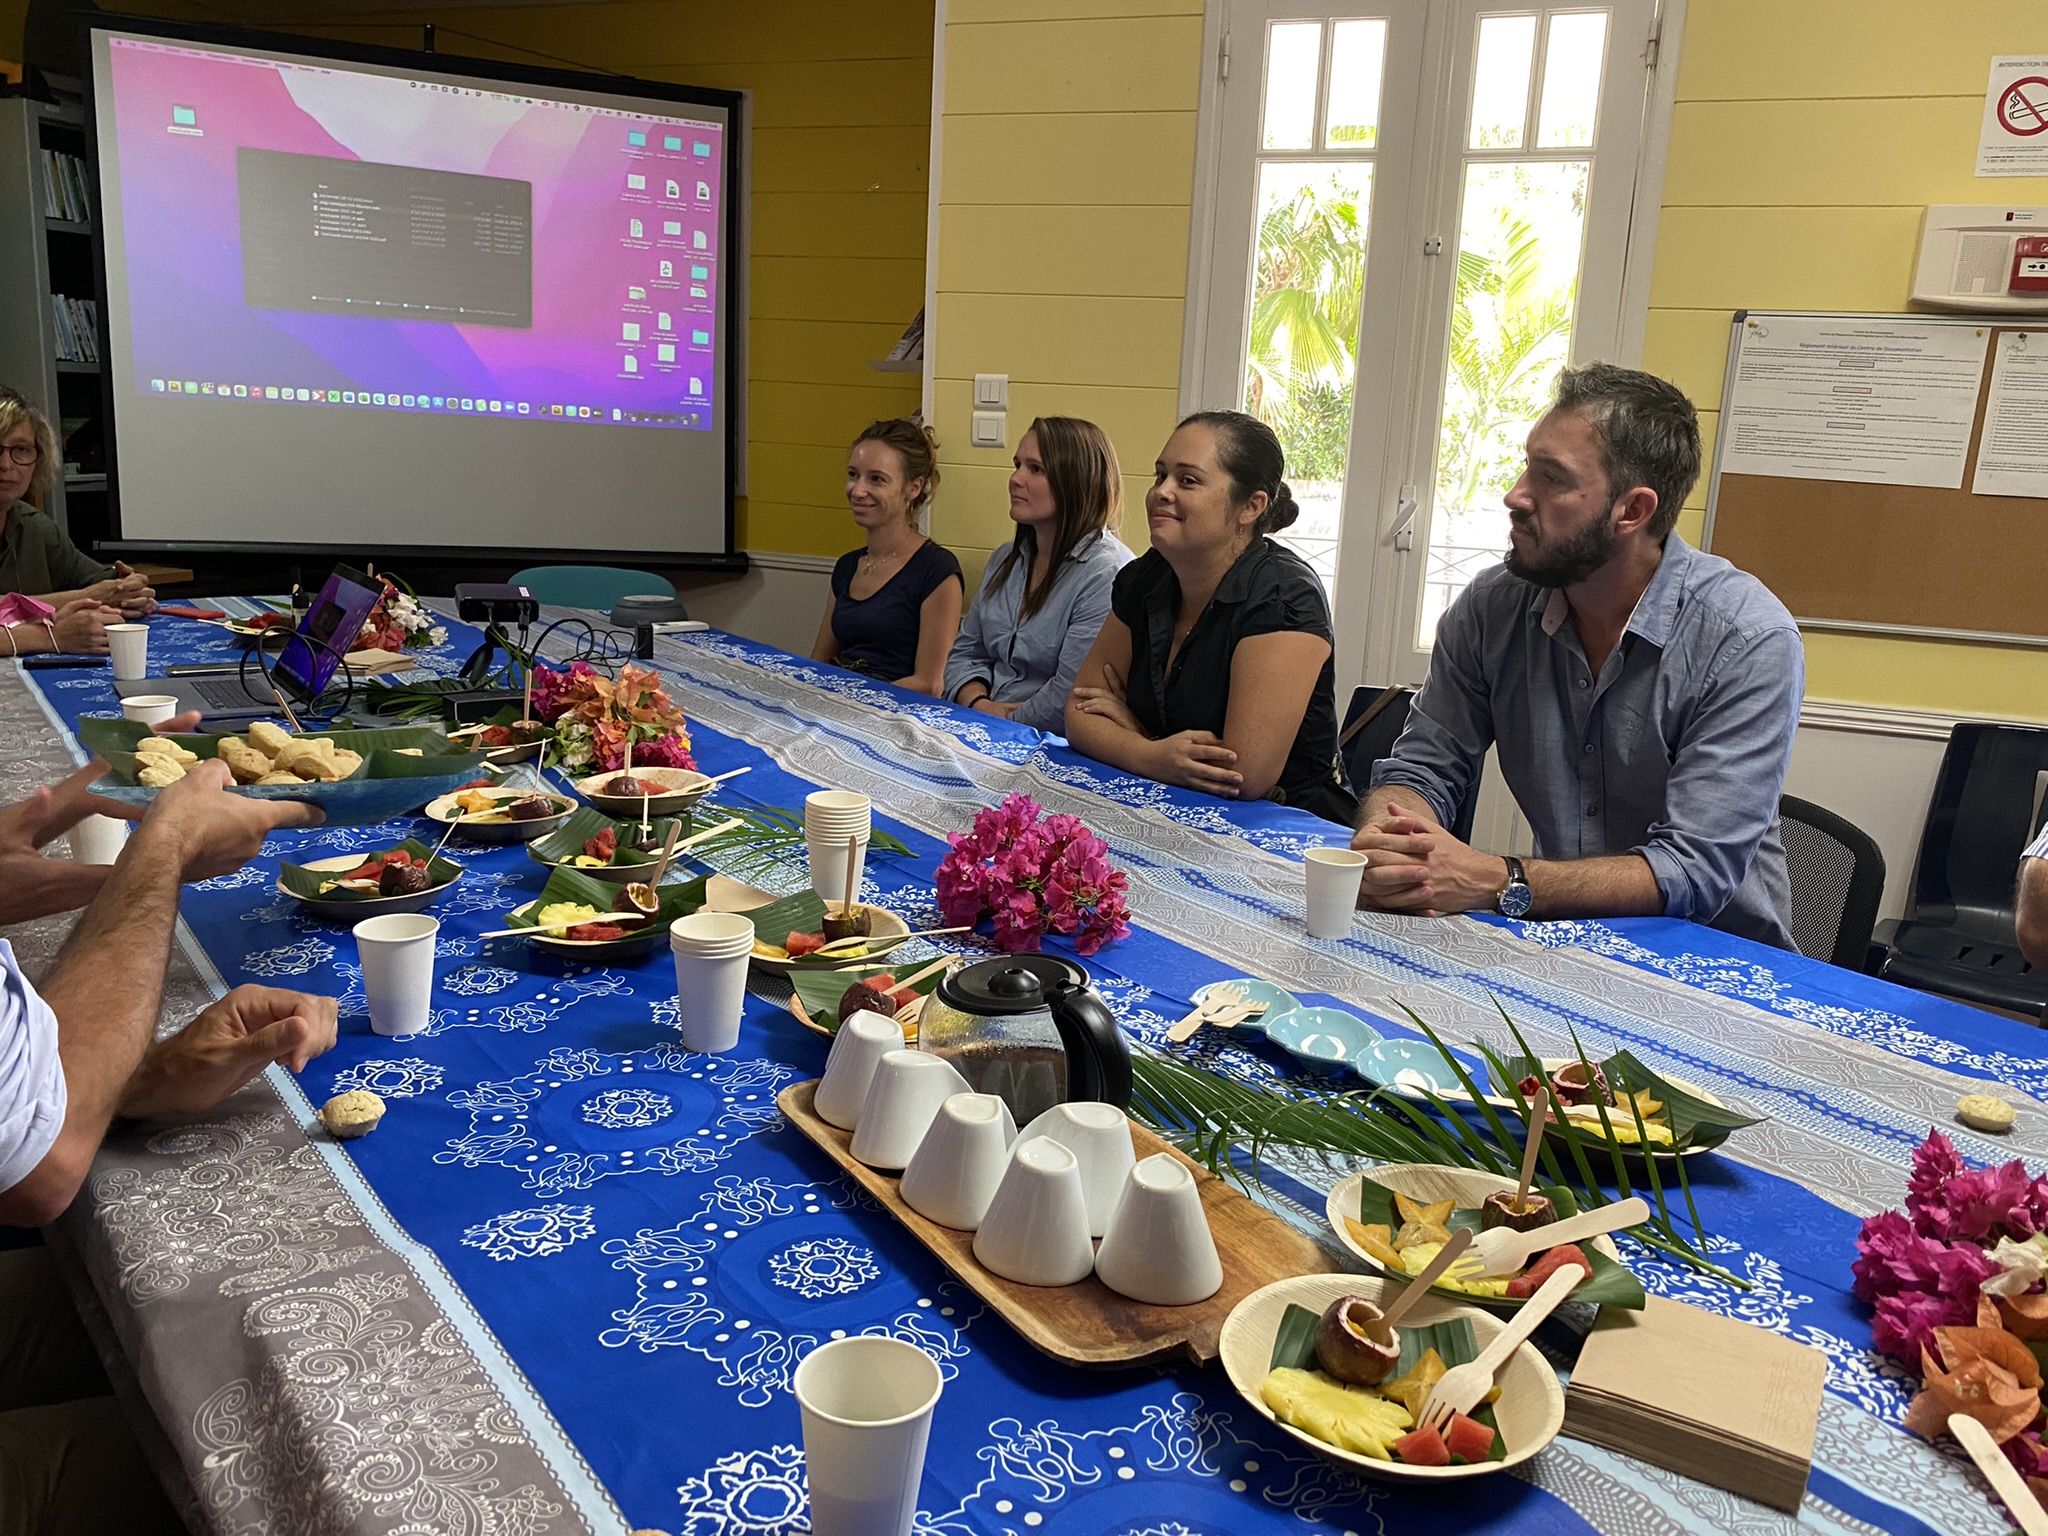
[(563, 1288)]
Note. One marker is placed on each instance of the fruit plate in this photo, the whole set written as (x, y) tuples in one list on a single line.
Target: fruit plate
[(402, 768), (575, 885), (302, 883), (444, 810), (1087, 1324), (1699, 1119), (1611, 1283), (805, 913), (814, 995), (1530, 1411), (559, 849), (680, 788)]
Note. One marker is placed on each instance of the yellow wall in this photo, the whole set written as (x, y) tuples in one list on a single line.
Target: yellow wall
[(1066, 174), (842, 139), (1806, 140)]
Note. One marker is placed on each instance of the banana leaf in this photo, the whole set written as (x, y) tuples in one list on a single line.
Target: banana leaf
[(802, 913), (388, 783), (1609, 1285), (562, 845), (820, 990), (1453, 1339), (678, 900), (301, 881), (1693, 1121)]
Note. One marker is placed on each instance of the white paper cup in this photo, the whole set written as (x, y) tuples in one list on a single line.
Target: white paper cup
[(397, 954), (908, 1091), (98, 840), (866, 1405), (858, 1046), (129, 644), (1035, 1230), (1159, 1248), (1333, 875), (1099, 1136), (710, 951), (828, 864), (837, 808), (149, 708), (958, 1166)]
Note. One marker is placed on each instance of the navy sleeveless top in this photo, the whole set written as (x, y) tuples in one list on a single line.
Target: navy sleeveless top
[(878, 635)]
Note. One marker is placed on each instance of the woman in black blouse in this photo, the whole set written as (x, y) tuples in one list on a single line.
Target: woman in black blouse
[(895, 605), (1214, 670)]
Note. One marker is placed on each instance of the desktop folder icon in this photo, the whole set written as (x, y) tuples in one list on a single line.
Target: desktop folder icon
[(700, 338), (670, 141), (698, 274), (637, 139)]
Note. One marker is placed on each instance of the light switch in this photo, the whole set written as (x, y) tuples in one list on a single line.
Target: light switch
[(989, 429), (991, 391)]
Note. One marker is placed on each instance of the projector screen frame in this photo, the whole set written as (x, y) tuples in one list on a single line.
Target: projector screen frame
[(734, 229)]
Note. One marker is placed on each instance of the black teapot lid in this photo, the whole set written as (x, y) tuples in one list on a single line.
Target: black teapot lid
[(1008, 984)]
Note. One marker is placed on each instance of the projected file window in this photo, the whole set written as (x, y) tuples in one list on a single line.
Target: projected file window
[(349, 237)]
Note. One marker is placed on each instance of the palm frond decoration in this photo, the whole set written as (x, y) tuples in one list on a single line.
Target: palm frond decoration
[(1231, 1127)]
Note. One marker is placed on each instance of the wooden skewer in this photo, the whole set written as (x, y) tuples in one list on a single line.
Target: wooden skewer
[(1432, 1272), (698, 837), (720, 778), (526, 697), (1529, 1151), (668, 851), (916, 976), (2005, 1480)]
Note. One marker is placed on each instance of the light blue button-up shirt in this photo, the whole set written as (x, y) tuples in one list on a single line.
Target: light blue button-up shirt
[(32, 1092), (1676, 751), (1033, 664)]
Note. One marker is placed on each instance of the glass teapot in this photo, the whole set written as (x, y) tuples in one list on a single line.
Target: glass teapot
[(1028, 1029)]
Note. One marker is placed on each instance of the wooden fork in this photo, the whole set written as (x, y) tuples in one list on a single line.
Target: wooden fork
[(1220, 999), (1459, 1389)]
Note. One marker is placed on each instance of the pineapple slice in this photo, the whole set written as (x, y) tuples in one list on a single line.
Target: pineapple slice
[(1350, 1418)]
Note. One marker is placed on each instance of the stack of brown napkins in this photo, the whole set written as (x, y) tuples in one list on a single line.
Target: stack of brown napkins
[(1706, 1396)]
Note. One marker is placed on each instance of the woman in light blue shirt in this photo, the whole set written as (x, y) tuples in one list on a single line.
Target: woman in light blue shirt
[(1047, 591)]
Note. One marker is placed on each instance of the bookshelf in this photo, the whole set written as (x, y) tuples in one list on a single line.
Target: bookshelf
[(46, 250)]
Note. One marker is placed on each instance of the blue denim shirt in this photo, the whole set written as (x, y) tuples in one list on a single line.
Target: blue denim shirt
[(1033, 664), (1676, 751)]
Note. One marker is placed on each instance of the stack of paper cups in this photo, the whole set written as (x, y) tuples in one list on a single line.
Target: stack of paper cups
[(711, 950), (129, 645), (837, 823)]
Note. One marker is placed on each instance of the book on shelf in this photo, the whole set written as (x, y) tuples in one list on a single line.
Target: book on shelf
[(1706, 1396), (909, 347), (64, 194), (77, 328)]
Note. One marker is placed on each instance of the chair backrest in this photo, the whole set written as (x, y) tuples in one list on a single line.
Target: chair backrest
[(1361, 742), (1837, 873), (589, 586), (1987, 803)]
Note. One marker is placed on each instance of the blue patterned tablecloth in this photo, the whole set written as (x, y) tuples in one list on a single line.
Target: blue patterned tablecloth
[(640, 1251)]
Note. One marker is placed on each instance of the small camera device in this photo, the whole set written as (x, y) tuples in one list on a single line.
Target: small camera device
[(495, 603)]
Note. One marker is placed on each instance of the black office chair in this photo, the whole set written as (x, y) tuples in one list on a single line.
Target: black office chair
[(1837, 873), (1961, 939), (1372, 724)]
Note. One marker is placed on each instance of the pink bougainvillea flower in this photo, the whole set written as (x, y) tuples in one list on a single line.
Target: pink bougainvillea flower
[(1935, 1162)]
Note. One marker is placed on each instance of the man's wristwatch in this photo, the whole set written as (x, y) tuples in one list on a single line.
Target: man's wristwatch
[(1515, 897)]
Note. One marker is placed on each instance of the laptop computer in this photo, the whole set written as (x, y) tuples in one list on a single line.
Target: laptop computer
[(301, 670)]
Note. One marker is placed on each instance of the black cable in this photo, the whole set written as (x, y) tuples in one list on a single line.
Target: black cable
[(267, 666)]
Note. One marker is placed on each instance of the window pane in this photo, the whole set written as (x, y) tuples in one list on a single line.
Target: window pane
[(1294, 51), (1571, 80), (1358, 55), (1511, 327), (1500, 81), (1302, 344)]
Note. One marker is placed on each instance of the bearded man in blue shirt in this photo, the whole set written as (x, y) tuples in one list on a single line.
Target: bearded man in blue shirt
[(1643, 696)]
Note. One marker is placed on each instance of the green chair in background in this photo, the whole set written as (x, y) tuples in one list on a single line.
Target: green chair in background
[(590, 586)]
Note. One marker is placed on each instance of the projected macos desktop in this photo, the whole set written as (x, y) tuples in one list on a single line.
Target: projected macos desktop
[(322, 234)]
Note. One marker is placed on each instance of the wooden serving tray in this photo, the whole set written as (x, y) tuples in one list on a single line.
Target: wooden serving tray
[(1088, 1324)]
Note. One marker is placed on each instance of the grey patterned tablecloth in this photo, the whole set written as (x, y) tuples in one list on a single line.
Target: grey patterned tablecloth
[(286, 1371)]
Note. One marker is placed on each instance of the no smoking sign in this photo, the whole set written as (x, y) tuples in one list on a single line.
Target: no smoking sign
[(2014, 137)]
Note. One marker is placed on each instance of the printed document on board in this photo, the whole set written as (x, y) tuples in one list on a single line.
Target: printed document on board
[(2012, 458), (1877, 401)]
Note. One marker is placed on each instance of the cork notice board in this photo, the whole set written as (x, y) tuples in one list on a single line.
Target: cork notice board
[(1826, 423)]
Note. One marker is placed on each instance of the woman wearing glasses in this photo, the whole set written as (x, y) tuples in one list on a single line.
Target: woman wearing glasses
[(40, 568)]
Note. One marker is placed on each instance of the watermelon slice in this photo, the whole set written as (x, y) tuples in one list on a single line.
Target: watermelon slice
[(1468, 1439), (903, 997), (1423, 1448), (1530, 1280), (803, 943), (881, 981)]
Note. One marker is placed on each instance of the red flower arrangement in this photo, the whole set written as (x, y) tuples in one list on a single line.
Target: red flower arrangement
[(1033, 876), (1957, 1285)]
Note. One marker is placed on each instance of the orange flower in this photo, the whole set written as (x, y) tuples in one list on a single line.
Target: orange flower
[(1990, 1375), (2024, 1317)]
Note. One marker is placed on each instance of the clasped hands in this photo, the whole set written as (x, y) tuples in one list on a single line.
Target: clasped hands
[(1415, 866), (1191, 759), (128, 590)]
